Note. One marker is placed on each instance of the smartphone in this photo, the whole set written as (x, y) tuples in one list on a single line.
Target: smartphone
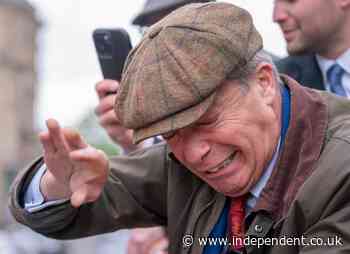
[(112, 47)]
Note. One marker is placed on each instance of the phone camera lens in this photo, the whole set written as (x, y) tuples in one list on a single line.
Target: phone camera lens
[(103, 45), (106, 37)]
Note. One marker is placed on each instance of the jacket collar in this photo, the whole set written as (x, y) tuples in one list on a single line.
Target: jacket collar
[(303, 144)]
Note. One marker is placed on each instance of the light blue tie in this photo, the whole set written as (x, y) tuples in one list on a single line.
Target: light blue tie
[(334, 76)]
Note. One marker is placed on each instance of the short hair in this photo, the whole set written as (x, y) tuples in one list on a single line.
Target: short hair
[(244, 73)]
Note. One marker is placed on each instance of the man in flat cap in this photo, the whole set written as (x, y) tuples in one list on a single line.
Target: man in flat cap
[(253, 162)]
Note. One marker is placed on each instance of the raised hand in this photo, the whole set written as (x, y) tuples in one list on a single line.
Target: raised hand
[(76, 170)]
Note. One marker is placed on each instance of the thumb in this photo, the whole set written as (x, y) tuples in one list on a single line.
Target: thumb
[(78, 198)]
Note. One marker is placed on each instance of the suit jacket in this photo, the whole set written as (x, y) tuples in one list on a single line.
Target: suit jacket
[(303, 69), (307, 194)]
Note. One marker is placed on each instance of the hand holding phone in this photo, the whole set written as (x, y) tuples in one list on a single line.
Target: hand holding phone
[(112, 47)]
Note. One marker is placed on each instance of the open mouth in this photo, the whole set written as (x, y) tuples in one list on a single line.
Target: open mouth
[(223, 164)]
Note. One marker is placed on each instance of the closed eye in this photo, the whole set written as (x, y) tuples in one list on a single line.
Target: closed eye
[(168, 135)]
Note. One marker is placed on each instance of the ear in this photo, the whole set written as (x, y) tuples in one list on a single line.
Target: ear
[(266, 82)]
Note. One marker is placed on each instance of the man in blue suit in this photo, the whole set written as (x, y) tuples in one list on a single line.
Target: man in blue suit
[(318, 41)]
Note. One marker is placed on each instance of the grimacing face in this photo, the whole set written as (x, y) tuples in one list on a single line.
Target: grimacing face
[(309, 26), (231, 144)]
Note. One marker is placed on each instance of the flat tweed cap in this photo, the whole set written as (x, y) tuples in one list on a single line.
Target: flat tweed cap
[(170, 79)]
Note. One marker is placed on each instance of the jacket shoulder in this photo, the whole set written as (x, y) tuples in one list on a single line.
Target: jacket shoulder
[(304, 69), (290, 64), (338, 117), (325, 192)]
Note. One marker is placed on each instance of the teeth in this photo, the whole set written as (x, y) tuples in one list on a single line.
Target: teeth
[(224, 164), (214, 170)]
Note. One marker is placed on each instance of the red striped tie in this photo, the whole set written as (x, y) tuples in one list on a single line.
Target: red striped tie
[(236, 219)]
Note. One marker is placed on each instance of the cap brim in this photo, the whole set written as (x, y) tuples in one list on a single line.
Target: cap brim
[(174, 122)]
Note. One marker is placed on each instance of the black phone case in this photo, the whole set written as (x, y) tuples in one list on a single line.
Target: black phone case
[(112, 46)]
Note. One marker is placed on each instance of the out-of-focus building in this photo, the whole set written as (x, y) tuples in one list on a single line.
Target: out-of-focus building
[(18, 78)]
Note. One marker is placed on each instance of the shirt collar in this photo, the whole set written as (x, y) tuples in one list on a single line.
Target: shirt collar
[(326, 63), (256, 190)]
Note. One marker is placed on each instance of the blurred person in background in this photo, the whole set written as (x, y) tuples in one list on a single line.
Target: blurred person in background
[(318, 41), (142, 240)]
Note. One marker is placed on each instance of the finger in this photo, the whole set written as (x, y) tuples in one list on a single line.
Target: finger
[(74, 139), (90, 181), (85, 194), (105, 104), (79, 197), (56, 135), (110, 118), (105, 87), (90, 158), (89, 154), (46, 142)]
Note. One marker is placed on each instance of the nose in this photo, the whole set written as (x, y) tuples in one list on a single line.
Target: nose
[(279, 13), (195, 151)]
